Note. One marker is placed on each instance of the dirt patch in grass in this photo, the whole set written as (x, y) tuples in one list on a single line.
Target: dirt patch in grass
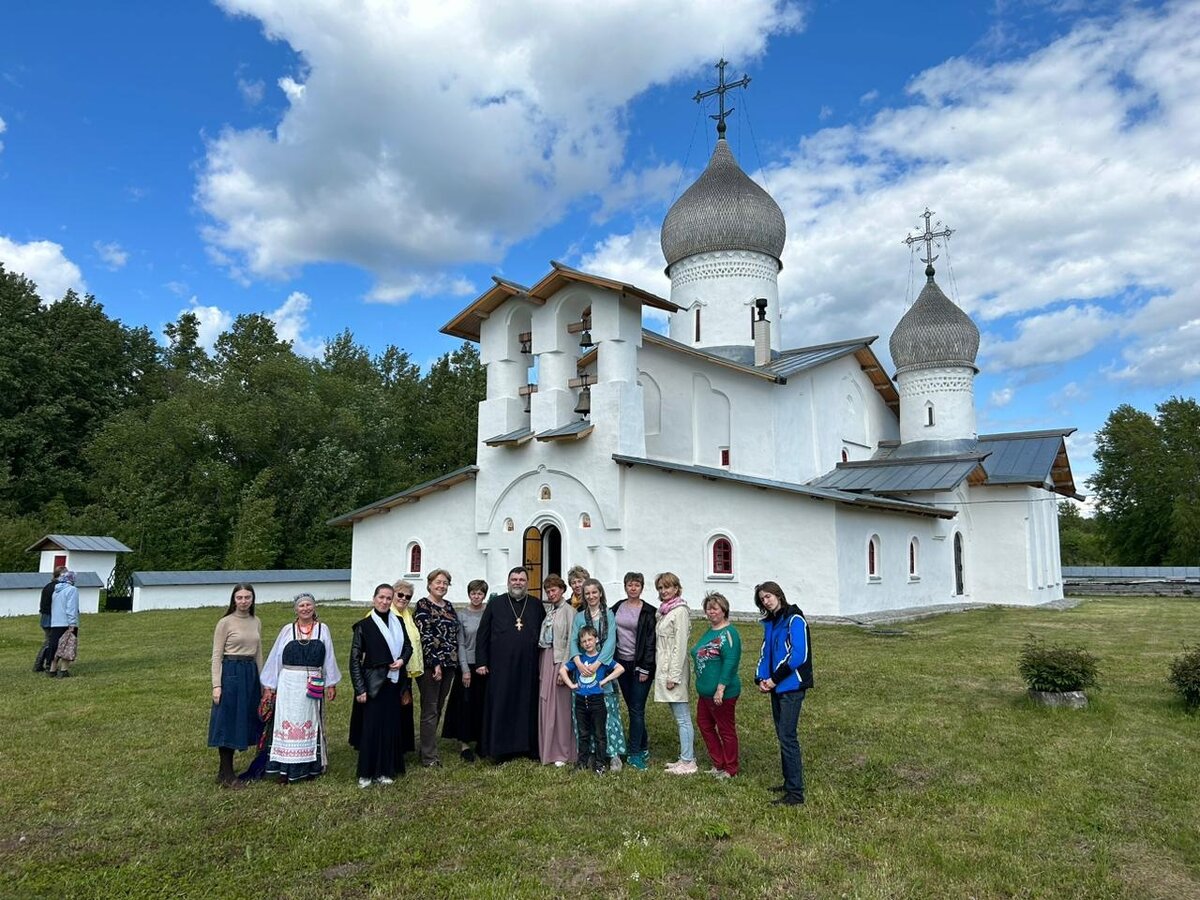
[(1155, 877)]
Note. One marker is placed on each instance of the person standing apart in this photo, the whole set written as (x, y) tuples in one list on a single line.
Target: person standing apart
[(785, 672), (233, 723), (716, 657), (439, 627), (464, 709), (671, 633), (555, 742), (379, 651), (635, 653), (301, 673), (46, 654), (506, 650)]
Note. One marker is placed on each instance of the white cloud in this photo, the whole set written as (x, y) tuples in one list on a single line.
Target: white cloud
[(1002, 397), (252, 91), (112, 254), (214, 321), (635, 258), (421, 136), (291, 321), (1051, 338), (1066, 175), (3, 127), (869, 97), (45, 264)]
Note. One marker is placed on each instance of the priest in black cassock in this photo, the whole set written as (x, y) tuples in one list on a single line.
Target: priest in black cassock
[(506, 650)]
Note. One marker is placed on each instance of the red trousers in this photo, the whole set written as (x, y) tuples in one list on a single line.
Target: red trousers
[(719, 730)]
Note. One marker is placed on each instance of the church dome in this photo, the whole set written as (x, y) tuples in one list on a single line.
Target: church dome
[(934, 332), (723, 210)]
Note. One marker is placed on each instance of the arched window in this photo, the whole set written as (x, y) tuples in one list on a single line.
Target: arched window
[(845, 455), (544, 492), (722, 556), (414, 559), (509, 525), (914, 549), (873, 557), (958, 564), (697, 325), (585, 521), (928, 413)]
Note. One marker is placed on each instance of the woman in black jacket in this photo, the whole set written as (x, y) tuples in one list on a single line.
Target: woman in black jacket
[(379, 650), (635, 651)]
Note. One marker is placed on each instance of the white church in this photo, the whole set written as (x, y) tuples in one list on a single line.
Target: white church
[(719, 454)]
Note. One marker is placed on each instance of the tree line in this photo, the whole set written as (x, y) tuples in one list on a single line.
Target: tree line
[(234, 458), (1146, 488)]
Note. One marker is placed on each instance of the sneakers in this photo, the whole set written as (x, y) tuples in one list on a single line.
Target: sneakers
[(638, 761), (559, 763), (720, 774), (615, 764), (683, 768), (467, 754), (364, 782), (788, 800), (383, 779)]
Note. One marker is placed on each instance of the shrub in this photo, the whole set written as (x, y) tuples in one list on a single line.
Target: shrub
[(1185, 675), (1057, 669)]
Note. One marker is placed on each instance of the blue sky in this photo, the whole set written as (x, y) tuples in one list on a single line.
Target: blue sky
[(369, 166)]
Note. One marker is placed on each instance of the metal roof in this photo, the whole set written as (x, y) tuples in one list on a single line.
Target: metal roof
[(18, 580), (1156, 573), (573, 430), (88, 542), (263, 576), (723, 210), (817, 493), (789, 362), (898, 476), (511, 439), (408, 495), (661, 340), (1028, 457)]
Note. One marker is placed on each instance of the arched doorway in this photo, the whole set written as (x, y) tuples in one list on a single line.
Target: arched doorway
[(541, 555), (958, 564)]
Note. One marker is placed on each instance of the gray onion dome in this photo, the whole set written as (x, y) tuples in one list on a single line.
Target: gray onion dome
[(934, 332), (723, 210)]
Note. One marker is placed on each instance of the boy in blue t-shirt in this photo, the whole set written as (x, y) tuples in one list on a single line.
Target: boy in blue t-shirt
[(591, 715)]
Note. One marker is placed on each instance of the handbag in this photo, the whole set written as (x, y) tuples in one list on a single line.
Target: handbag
[(316, 687), (68, 647)]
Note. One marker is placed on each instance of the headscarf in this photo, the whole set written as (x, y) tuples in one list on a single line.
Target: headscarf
[(67, 577)]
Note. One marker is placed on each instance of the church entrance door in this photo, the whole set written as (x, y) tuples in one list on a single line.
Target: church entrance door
[(958, 564), (542, 555)]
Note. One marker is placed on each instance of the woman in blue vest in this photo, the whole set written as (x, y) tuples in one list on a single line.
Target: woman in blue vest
[(784, 672)]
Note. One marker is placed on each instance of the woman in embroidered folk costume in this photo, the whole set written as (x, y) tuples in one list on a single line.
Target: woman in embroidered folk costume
[(233, 723), (301, 673), (379, 651), (596, 613), (506, 650)]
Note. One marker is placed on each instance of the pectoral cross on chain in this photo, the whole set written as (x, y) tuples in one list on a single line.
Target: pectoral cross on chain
[(520, 624)]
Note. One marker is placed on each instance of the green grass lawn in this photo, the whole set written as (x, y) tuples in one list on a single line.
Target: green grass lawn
[(929, 775)]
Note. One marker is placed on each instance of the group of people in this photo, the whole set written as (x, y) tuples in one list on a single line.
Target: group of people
[(58, 610), (511, 677)]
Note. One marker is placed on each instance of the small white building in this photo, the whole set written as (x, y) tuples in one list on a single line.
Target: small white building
[(720, 455), (80, 553), (190, 590)]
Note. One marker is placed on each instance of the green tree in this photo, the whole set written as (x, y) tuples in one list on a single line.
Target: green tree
[(1079, 537)]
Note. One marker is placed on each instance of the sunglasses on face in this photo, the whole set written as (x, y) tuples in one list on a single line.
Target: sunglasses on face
[(404, 596)]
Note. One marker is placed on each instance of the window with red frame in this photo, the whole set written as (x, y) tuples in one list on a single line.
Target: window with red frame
[(414, 558), (722, 557), (873, 556)]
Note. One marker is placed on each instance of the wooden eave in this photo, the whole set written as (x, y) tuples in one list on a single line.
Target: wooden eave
[(561, 275), (466, 324), (869, 363), (573, 436)]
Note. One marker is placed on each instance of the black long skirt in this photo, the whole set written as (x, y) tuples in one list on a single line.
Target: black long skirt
[(378, 742), (464, 710)]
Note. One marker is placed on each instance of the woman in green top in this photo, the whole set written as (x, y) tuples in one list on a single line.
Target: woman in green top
[(716, 657)]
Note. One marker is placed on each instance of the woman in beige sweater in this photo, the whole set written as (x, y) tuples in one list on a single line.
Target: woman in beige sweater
[(233, 723)]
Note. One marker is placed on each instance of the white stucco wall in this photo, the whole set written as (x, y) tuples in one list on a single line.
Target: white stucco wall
[(26, 601), (893, 587), (723, 285), (949, 391), (193, 596), (1013, 547), (441, 522)]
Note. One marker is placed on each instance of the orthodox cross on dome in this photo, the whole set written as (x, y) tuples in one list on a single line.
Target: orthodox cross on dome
[(928, 237), (720, 91)]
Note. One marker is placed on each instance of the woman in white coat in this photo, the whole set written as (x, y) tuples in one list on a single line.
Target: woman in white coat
[(672, 638)]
